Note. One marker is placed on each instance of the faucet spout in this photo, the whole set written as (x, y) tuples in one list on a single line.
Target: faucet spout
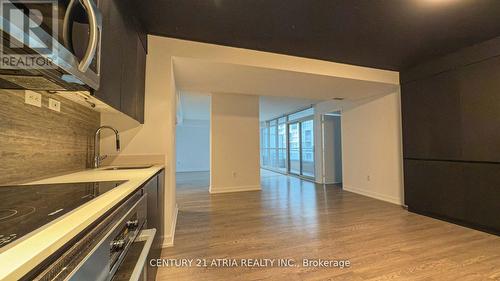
[(97, 136)]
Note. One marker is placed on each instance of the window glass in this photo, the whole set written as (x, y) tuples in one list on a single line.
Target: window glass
[(264, 147), (287, 143), (281, 165)]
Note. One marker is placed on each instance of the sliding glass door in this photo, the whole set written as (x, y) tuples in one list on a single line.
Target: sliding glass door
[(307, 148), (301, 148), (294, 145), (273, 140), (282, 145), (287, 144)]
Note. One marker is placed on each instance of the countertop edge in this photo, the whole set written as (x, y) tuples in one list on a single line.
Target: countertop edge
[(26, 255)]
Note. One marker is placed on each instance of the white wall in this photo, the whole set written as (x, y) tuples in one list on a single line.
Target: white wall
[(234, 141), (371, 147), (193, 146)]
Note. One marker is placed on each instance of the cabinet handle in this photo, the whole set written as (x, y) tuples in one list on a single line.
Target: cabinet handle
[(93, 34)]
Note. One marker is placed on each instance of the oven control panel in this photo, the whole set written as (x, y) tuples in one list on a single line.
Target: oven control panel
[(125, 234), (123, 238)]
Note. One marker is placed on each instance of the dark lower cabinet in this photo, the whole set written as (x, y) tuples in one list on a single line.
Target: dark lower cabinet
[(465, 193), (435, 187), (482, 195), (154, 195)]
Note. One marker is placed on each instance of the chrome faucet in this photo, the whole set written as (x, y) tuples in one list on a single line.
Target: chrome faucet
[(98, 158)]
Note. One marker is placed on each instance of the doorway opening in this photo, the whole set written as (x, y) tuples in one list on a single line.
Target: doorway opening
[(193, 139), (332, 147)]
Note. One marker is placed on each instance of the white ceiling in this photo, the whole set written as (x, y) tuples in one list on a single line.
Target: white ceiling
[(280, 91), (194, 75), (196, 105)]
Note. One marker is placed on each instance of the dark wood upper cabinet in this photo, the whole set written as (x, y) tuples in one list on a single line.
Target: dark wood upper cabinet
[(431, 113), (480, 110), (113, 26), (454, 115), (123, 58)]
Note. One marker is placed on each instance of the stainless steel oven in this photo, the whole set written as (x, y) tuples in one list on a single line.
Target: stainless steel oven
[(115, 249), (65, 33)]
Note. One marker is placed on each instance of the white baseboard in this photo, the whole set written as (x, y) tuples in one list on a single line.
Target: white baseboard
[(376, 195), (214, 190), (192, 171), (168, 240), (333, 182)]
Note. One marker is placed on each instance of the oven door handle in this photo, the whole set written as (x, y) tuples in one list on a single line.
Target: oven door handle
[(148, 235), (95, 24)]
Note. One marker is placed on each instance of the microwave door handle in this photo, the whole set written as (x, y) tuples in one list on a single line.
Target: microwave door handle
[(66, 26), (93, 35)]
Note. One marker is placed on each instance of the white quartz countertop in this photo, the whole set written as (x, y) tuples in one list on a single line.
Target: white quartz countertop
[(23, 255)]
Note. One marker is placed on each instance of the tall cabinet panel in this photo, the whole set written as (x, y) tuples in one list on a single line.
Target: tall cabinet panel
[(451, 137)]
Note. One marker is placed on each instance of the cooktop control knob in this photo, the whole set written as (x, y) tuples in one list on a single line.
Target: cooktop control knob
[(117, 245), (132, 224)]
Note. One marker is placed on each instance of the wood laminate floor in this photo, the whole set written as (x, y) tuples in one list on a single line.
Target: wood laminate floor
[(296, 219)]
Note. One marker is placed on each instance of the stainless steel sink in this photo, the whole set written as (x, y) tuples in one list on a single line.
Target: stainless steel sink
[(128, 167)]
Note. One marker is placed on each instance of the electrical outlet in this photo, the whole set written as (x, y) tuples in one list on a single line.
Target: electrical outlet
[(234, 174), (33, 98), (368, 178), (54, 105)]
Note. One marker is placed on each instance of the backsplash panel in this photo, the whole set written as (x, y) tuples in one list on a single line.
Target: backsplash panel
[(37, 143)]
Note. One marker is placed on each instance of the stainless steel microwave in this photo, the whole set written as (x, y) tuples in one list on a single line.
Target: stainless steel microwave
[(50, 44)]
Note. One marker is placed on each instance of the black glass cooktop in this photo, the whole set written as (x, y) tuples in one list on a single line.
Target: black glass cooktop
[(25, 208)]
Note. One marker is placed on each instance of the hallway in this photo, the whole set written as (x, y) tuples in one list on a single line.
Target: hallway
[(296, 219)]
